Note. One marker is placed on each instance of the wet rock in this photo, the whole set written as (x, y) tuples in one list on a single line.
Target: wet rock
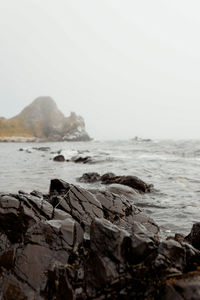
[(139, 244), (58, 186), (110, 178), (187, 288), (59, 158), (58, 286), (42, 148), (78, 202), (36, 194), (34, 237), (106, 239), (81, 159), (107, 176), (119, 209), (194, 236), (131, 181), (76, 243), (90, 177)]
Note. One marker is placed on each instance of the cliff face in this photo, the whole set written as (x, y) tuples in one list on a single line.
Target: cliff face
[(44, 121)]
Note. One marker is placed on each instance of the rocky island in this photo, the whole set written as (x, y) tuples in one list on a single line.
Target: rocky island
[(76, 243), (43, 121)]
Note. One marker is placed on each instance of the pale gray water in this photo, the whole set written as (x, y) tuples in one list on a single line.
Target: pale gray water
[(172, 166)]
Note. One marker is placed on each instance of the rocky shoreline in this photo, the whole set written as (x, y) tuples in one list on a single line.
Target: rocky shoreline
[(76, 243), (22, 139)]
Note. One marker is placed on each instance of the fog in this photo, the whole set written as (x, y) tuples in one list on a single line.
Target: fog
[(128, 67)]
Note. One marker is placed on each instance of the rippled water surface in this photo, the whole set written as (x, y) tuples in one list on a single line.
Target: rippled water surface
[(173, 168)]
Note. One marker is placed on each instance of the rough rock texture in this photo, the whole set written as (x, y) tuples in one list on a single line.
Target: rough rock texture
[(90, 244), (41, 120), (110, 178)]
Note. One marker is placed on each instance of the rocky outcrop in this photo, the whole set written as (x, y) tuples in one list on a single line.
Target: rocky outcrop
[(110, 178), (75, 159), (42, 120), (75, 243)]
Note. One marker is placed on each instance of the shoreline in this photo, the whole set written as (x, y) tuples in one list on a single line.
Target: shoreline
[(40, 140)]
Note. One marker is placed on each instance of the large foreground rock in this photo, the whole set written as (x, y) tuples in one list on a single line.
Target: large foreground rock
[(90, 244)]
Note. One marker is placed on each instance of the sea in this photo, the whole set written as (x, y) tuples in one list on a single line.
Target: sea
[(173, 167)]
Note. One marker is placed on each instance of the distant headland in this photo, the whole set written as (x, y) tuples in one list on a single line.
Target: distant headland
[(42, 121)]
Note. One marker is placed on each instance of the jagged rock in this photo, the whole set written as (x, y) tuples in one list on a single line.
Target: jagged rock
[(170, 258), (32, 242), (194, 236), (58, 186), (76, 243), (78, 202), (106, 239), (120, 210), (59, 158)]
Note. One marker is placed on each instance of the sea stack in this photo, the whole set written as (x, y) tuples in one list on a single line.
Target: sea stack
[(43, 121)]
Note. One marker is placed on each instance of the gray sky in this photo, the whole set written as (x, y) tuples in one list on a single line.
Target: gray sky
[(128, 67)]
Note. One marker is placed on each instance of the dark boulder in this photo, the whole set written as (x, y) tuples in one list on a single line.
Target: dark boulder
[(194, 236), (81, 159), (59, 158), (131, 181), (58, 186), (90, 177), (107, 176), (110, 178)]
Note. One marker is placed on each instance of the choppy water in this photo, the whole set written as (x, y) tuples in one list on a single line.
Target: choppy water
[(172, 166)]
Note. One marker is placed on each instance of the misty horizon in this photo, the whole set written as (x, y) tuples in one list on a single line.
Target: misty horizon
[(129, 69)]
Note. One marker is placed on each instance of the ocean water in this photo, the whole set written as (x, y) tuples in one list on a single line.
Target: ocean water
[(172, 166)]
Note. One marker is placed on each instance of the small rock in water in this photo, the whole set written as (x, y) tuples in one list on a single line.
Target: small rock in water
[(90, 177), (59, 158), (81, 159), (42, 148), (110, 178)]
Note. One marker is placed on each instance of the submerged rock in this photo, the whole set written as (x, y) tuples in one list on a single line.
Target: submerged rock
[(76, 243)]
